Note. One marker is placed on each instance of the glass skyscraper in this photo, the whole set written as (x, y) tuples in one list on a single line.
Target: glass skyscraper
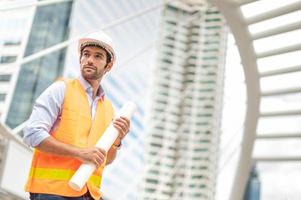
[(184, 117), (50, 27), (14, 28), (252, 191)]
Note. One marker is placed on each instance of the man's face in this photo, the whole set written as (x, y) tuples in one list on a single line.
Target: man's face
[(93, 63)]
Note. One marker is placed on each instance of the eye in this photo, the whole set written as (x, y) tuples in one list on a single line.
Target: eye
[(98, 56), (86, 54)]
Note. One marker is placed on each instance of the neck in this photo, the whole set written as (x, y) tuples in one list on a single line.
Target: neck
[(95, 85)]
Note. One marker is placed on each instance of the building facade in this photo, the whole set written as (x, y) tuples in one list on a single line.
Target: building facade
[(252, 191), (186, 102), (14, 30), (35, 76)]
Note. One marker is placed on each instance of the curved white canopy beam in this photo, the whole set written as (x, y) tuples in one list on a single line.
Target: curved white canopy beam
[(236, 22)]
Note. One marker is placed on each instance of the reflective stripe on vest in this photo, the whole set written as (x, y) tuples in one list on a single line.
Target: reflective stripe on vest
[(50, 173), (58, 174)]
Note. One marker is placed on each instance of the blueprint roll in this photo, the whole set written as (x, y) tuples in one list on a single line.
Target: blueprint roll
[(81, 176)]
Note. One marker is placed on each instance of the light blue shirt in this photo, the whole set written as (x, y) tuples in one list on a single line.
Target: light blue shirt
[(47, 111)]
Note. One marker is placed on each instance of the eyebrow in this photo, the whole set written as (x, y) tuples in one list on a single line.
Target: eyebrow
[(100, 53), (97, 53)]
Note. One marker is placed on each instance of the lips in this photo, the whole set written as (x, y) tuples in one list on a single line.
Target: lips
[(89, 67)]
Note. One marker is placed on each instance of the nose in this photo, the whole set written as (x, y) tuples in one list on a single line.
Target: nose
[(90, 60)]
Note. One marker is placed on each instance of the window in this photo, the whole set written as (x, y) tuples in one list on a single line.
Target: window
[(8, 59), (2, 97), (5, 77), (12, 43)]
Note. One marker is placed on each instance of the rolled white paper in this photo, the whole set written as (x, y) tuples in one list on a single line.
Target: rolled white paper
[(84, 172)]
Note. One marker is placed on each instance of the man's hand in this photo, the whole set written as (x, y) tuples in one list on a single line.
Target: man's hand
[(122, 124), (92, 155)]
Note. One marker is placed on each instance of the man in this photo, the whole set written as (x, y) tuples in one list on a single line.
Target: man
[(66, 122)]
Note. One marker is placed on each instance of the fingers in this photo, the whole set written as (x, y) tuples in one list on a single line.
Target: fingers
[(121, 128), (102, 151), (93, 155), (125, 119), (122, 124), (99, 157)]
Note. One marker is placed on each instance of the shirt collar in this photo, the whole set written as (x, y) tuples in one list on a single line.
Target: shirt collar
[(88, 88)]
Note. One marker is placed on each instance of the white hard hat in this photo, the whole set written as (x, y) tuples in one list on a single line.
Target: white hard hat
[(99, 39)]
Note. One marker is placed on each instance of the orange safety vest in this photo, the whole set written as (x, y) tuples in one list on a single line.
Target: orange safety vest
[(50, 173)]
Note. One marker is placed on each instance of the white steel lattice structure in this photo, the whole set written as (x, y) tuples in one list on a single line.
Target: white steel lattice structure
[(267, 36), (186, 102)]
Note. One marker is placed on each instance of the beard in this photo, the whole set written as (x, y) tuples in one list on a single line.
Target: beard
[(91, 73)]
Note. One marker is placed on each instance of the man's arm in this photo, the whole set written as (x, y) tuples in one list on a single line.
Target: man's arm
[(91, 155), (44, 115), (113, 151), (122, 124)]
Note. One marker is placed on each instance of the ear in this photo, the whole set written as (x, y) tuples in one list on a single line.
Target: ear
[(108, 67)]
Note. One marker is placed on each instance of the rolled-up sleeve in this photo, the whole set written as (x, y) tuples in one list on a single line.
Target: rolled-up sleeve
[(45, 112)]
